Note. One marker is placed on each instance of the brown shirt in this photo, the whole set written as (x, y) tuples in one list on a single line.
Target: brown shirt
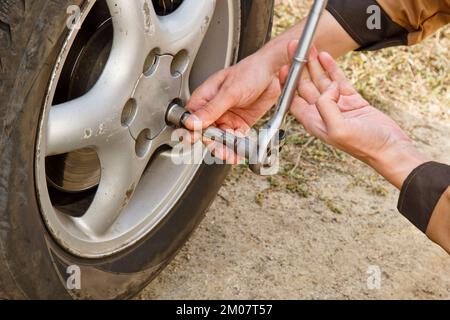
[(420, 17), (401, 22)]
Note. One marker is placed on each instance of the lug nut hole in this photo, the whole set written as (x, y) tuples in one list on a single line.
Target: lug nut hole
[(179, 62), (129, 112), (143, 143), (150, 61)]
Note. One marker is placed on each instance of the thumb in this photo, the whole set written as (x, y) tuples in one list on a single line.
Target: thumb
[(327, 105), (213, 110), (292, 48), (284, 71)]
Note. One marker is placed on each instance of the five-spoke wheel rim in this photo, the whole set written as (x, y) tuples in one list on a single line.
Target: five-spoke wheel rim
[(153, 60)]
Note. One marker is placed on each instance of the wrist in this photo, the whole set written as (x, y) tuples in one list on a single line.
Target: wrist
[(397, 161), (330, 37), (273, 56), (275, 53)]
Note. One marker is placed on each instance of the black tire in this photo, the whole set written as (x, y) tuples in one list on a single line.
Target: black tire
[(32, 265)]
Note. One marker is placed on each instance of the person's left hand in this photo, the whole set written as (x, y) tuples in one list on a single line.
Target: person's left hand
[(332, 110)]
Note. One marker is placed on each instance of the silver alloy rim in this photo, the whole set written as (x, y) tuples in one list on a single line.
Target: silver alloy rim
[(139, 183)]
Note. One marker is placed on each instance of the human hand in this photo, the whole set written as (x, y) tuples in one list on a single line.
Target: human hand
[(331, 109), (237, 97)]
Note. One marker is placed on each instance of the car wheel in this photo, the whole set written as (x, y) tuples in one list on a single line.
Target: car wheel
[(92, 202)]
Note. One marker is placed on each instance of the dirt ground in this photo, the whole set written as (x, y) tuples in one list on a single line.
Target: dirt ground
[(315, 230)]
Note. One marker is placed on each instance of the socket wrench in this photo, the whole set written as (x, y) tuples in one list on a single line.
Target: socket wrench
[(263, 153)]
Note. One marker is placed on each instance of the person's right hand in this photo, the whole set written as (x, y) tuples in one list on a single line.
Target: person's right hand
[(237, 97)]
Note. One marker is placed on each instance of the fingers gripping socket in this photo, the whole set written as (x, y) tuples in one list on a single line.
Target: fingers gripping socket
[(176, 115)]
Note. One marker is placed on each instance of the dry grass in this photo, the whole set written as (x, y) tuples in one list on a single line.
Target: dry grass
[(416, 79), (417, 76)]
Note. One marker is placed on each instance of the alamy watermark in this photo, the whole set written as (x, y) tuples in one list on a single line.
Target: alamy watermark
[(373, 281), (190, 147), (73, 281), (74, 16), (374, 20)]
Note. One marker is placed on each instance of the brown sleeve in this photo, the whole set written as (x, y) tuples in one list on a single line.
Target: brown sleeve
[(420, 17), (438, 228), (401, 22), (421, 192)]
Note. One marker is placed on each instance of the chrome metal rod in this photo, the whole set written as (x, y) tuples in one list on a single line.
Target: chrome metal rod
[(298, 63), (270, 133)]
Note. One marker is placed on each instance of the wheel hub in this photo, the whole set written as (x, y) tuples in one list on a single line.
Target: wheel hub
[(155, 90)]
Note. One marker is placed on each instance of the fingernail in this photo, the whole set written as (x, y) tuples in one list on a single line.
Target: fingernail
[(324, 54), (193, 122), (313, 53), (294, 43)]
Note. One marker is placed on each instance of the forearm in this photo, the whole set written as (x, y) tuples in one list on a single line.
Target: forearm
[(330, 37), (397, 162)]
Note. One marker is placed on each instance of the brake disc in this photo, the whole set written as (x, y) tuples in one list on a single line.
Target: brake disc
[(80, 170), (165, 7)]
